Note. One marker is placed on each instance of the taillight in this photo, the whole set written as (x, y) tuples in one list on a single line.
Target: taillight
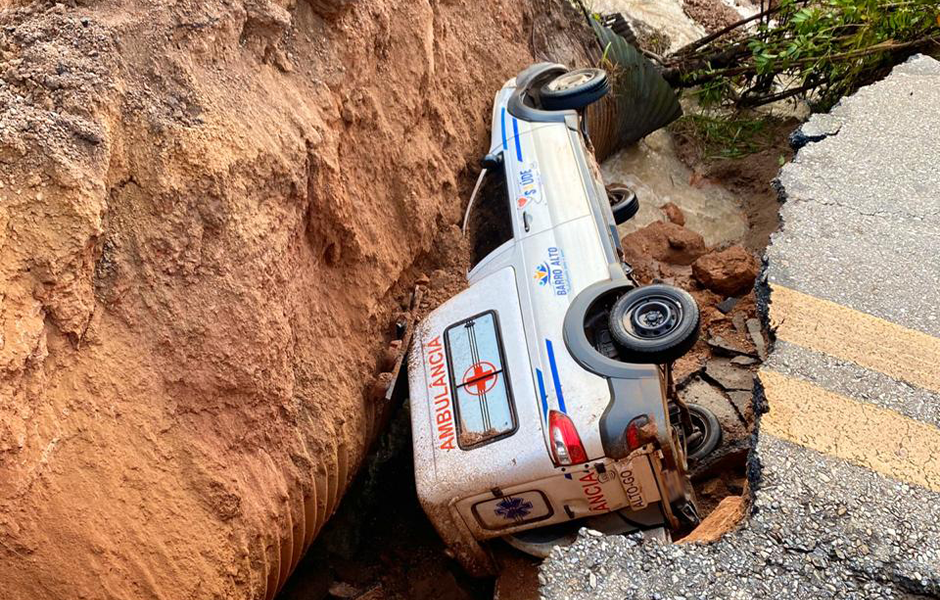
[(566, 444), (639, 433)]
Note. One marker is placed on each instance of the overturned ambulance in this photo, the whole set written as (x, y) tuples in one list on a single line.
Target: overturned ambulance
[(541, 395)]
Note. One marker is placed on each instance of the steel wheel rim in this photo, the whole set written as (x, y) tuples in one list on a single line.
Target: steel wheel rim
[(653, 317), (569, 80)]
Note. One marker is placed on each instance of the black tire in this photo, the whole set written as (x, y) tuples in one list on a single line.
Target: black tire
[(654, 324), (623, 203), (706, 434), (574, 90)]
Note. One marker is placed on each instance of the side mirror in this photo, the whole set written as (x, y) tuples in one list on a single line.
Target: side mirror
[(491, 161)]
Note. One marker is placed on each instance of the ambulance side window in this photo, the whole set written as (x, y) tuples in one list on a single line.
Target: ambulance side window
[(490, 224)]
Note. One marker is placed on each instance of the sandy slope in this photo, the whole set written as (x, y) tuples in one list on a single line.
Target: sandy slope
[(209, 214)]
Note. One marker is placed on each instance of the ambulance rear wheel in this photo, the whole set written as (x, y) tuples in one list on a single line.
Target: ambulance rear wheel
[(654, 324)]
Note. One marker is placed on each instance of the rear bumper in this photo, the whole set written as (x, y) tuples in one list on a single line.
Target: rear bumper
[(633, 483), (585, 491)]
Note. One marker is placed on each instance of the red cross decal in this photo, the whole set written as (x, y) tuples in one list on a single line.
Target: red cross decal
[(480, 378)]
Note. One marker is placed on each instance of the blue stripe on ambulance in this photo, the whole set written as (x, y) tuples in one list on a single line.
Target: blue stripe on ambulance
[(502, 123), (515, 134), (555, 378)]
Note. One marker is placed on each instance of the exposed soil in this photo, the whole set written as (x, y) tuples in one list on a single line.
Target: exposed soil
[(713, 15), (211, 214)]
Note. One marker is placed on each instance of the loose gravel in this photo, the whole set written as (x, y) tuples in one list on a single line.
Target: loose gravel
[(819, 528)]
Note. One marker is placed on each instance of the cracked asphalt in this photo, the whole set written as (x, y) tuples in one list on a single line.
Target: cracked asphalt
[(845, 470)]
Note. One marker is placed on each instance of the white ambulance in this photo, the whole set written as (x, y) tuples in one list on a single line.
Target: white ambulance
[(541, 397)]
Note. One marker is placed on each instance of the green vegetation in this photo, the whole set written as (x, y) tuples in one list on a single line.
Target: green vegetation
[(725, 136), (823, 49)]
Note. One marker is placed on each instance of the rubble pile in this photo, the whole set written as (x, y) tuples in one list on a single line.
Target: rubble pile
[(718, 373)]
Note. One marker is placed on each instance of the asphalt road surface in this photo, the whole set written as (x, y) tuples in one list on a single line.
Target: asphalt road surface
[(846, 468)]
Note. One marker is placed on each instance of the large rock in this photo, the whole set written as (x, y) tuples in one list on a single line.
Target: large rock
[(666, 242), (209, 214), (730, 272)]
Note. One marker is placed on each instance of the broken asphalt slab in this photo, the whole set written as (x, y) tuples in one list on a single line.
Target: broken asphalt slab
[(729, 377), (845, 471)]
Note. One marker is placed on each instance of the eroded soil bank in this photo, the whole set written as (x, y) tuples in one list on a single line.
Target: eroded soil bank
[(210, 214)]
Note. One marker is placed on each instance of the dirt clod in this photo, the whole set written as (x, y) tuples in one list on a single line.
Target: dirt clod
[(673, 213), (666, 242), (730, 272), (726, 516), (344, 591), (713, 15)]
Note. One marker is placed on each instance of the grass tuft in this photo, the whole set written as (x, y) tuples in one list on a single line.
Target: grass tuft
[(724, 136)]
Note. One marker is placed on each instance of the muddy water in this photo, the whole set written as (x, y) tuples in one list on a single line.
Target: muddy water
[(668, 16), (664, 15), (652, 169)]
